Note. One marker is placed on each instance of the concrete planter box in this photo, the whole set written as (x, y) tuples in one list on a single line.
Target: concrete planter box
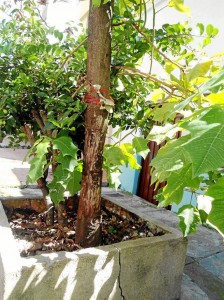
[(144, 269)]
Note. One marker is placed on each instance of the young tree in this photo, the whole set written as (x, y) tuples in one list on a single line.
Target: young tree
[(48, 96), (88, 231)]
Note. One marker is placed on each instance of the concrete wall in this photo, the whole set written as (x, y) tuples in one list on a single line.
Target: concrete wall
[(147, 268)]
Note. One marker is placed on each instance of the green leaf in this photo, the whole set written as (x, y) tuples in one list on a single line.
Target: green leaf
[(65, 145), (170, 157), (180, 6), (208, 132), (216, 214), (161, 133), (39, 161), (130, 158), (57, 194), (214, 82), (96, 2), (141, 146), (161, 113), (211, 30), (120, 155), (113, 175), (69, 163), (73, 185), (114, 156), (199, 70), (177, 182), (201, 28), (189, 219), (206, 41)]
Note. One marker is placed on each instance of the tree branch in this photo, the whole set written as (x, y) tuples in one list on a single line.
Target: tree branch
[(157, 49), (145, 75)]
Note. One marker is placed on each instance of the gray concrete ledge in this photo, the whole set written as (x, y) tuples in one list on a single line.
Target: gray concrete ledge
[(146, 269)]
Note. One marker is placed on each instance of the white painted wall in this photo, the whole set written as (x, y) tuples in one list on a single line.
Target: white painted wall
[(202, 11)]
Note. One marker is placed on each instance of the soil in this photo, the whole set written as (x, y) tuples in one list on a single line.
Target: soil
[(35, 237)]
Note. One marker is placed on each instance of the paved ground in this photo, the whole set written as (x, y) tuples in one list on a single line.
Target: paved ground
[(204, 269)]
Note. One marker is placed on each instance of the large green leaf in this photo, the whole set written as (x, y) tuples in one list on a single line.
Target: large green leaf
[(69, 163), (199, 70), (57, 194), (38, 163), (130, 158), (161, 133), (141, 146), (120, 155), (177, 182), (216, 215), (114, 156), (171, 157), (206, 145), (161, 112), (65, 145)]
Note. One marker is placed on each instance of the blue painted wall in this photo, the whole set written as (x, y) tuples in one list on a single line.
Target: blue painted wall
[(129, 178)]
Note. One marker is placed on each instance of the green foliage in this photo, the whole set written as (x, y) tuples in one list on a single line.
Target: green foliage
[(189, 219), (141, 146), (39, 161), (43, 84), (180, 6), (183, 162)]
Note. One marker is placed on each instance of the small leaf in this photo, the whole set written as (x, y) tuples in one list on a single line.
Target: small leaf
[(189, 219), (199, 70), (180, 6), (201, 28)]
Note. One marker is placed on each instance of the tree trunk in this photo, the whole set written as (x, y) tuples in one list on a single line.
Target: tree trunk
[(88, 231)]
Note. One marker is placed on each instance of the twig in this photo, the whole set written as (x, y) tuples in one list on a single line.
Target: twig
[(73, 51), (155, 48), (153, 34), (146, 75)]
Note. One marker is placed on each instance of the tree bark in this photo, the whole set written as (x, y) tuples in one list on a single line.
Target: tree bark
[(88, 230)]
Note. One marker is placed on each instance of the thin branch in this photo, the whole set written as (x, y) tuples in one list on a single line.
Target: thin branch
[(156, 49), (42, 19), (73, 51), (161, 9), (145, 75), (79, 89), (153, 35)]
